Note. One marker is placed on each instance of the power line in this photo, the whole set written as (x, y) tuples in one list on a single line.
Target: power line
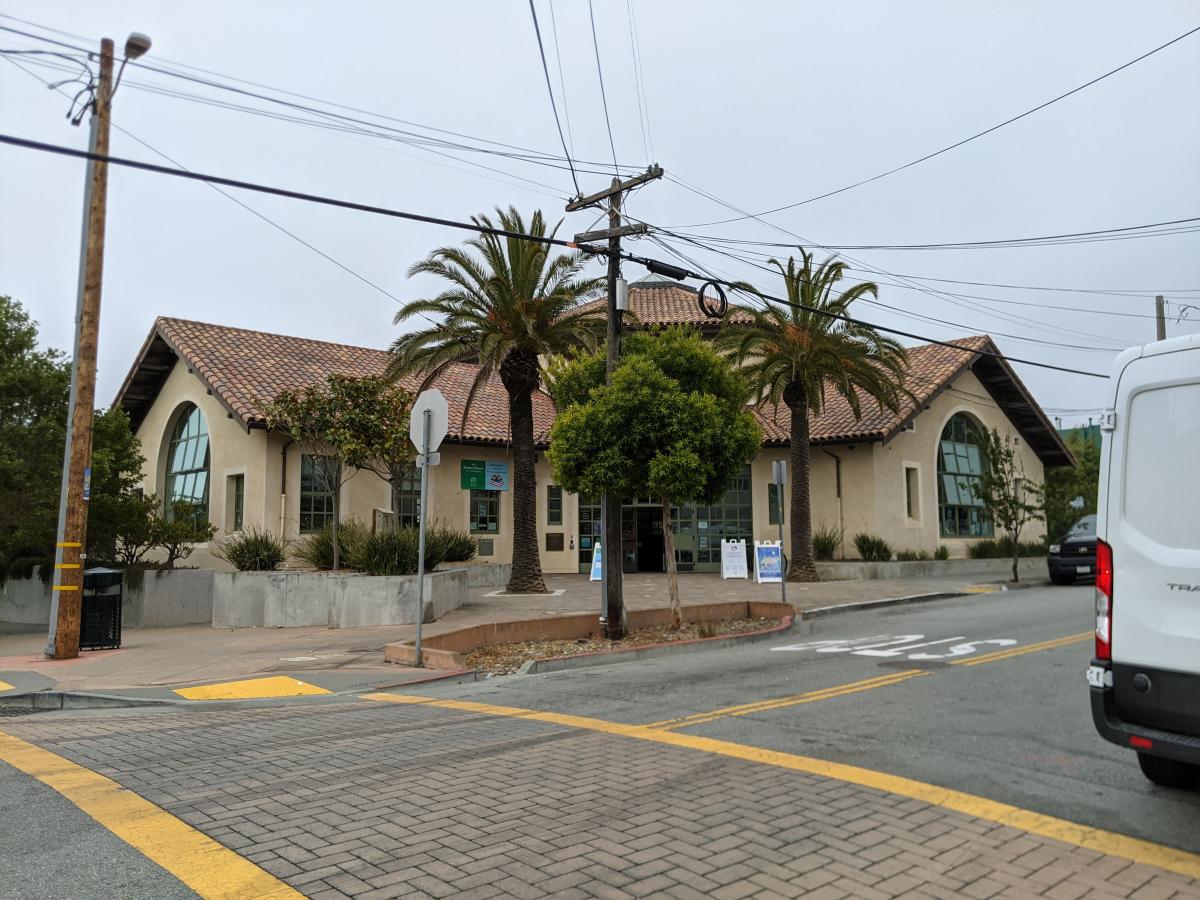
[(549, 90), (956, 144), (481, 229), (639, 82), (562, 80), (603, 96)]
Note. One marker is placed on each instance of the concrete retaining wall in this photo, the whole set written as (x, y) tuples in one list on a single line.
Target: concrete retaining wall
[(25, 601), (487, 574), (161, 598), (998, 569), (289, 599)]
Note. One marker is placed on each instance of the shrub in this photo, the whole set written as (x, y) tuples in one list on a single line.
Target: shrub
[(826, 542), (1002, 548), (912, 555), (252, 550), (942, 552), (316, 549), (456, 545), (871, 548), (394, 552)]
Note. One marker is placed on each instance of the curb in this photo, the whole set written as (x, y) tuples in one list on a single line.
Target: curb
[(651, 651), (58, 700), (821, 611)]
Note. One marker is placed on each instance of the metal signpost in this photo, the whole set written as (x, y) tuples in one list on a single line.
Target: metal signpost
[(426, 429), (779, 471)]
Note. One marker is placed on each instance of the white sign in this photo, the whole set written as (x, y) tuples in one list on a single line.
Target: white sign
[(733, 560), (768, 562), (595, 576), (439, 418), (900, 645)]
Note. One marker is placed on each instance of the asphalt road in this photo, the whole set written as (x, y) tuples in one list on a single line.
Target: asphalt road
[(1017, 730), (50, 849)]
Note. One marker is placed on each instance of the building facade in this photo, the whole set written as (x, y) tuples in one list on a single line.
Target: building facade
[(197, 396)]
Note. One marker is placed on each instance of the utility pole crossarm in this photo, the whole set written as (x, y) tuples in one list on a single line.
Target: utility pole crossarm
[(618, 187), (605, 233)]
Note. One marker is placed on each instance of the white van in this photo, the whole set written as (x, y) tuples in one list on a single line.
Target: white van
[(1145, 678)]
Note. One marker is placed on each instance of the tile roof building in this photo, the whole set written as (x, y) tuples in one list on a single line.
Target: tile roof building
[(890, 474)]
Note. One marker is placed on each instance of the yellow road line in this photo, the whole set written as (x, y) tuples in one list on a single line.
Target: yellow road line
[(251, 689), (1099, 840), (1022, 650), (744, 709), (201, 863)]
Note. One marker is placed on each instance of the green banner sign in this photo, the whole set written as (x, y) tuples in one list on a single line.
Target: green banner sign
[(474, 475)]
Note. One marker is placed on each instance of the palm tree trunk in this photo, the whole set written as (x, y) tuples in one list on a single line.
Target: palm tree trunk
[(526, 562), (672, 573), (802, 567)]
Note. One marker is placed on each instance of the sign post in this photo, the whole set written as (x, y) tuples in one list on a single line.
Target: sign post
[(426, 429), (779, 470)]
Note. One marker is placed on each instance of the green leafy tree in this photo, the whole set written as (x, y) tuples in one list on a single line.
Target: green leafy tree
[(356, 423), (672, 423), (1012, 501), (34, 386), (1065, 483), (798, 353), (178, 535), (117, 511), (505, 309)]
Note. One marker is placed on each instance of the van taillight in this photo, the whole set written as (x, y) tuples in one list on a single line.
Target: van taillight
[(1104, 600)]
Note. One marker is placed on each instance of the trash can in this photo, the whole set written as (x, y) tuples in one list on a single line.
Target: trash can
[(100, 618)]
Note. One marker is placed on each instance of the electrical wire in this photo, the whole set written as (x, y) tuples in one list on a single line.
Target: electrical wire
[(959, 143), (603, 95), (550, 91), (475, 227), (638, 82), (562, 81)]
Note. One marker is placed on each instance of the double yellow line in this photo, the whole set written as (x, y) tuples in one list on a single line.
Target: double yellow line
[(854, 687)]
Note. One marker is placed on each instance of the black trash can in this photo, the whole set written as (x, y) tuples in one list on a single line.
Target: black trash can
[(100, 619)]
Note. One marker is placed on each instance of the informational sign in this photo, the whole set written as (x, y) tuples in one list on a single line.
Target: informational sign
[(596, 563), (496, 475), (733, 560), (768, 562), (474, 475)]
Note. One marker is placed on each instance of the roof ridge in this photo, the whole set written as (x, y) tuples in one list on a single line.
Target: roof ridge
[(289, 337)]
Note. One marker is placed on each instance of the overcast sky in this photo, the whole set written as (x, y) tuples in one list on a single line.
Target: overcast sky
[(761, 104)]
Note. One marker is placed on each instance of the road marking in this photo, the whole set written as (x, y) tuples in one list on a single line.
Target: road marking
[(251, 689), (5, 686), (745, 709), (201, 863), (1027, 648), (1178, 861)]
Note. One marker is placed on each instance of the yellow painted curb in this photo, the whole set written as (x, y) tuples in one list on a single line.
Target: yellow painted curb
[(1099, 840), (5, 686), (252, 689), (204, 865)]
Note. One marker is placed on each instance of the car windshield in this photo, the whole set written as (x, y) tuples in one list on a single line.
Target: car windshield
[(1085, 527)]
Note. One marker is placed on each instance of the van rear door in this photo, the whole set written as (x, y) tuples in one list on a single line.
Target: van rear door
[(1152, 523)]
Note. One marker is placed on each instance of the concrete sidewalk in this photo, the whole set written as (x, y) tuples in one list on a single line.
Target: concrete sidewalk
[(155, 662)]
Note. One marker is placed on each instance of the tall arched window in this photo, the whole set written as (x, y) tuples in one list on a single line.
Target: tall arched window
[(187, 463), (959, 465)]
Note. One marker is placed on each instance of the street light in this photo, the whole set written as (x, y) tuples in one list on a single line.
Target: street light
[(136, 45)]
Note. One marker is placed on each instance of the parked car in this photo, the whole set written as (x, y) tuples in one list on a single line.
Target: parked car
[(1145, 677), (1074, 556)]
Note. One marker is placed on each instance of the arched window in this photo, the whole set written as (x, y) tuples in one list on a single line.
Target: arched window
[(959, 466), (187, 463)]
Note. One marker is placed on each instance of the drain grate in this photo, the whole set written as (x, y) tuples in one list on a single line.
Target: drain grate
[(6, 711)]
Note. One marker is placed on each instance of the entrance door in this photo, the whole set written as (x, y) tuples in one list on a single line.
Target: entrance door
[(651, 547)]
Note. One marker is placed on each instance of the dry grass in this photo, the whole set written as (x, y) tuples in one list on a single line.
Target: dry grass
[(504, 659)]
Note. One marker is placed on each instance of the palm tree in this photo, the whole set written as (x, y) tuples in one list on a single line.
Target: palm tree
[(506, 311), (795, 352)]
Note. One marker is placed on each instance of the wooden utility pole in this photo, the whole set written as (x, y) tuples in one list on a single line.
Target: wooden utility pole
[(1160, 315), (71, 552), (616, 623)]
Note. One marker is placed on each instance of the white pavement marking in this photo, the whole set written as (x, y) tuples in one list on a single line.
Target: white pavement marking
[(881, 645)]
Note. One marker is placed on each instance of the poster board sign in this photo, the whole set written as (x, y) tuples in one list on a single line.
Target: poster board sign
[(768, 562), (733, 559), (495, 476), (596, 562), (472, 474)]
